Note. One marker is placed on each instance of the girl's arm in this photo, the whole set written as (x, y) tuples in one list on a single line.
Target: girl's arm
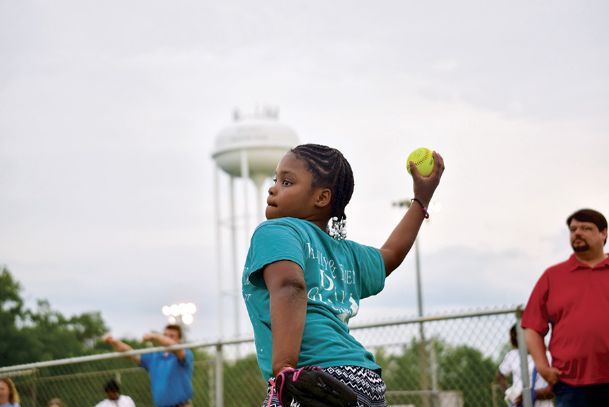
[(288, 302), (403, 236)]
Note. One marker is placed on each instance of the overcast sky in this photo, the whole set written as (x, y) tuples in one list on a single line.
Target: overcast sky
[(109, 112)]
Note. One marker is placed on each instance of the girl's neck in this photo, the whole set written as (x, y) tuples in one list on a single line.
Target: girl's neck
[(322, 222)]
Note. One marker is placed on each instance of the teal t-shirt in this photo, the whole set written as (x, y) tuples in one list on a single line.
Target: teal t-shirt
[(337, 273)]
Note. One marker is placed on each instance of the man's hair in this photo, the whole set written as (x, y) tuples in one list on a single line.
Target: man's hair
[(112, 385), (514, 336), (175, 327), (330, 169), (589, 215), (55, 402)]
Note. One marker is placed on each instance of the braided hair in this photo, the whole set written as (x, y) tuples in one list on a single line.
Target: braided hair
[(330, 169)]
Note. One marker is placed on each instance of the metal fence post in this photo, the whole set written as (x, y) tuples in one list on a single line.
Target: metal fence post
[(219, 376), (433, 361), (34, 384), (524, 362)]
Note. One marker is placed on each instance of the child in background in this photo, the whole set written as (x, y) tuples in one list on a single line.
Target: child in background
[(510, 366), (303, 281), (9, 397)]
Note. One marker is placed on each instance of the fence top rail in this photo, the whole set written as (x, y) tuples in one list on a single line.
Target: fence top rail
[(112, 355), (218, 344), (433, 318)]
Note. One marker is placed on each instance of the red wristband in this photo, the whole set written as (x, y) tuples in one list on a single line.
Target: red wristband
[(425, 213)]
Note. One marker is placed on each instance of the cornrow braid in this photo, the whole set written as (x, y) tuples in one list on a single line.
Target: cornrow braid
[(330, 169)]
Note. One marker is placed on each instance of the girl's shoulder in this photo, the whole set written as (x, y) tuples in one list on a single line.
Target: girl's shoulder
[(293, 223), (280, 228)]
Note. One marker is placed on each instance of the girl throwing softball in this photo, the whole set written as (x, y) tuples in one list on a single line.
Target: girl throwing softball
[(303, 281)]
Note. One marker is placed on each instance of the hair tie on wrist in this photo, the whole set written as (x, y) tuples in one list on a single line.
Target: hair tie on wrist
[(425, 213)]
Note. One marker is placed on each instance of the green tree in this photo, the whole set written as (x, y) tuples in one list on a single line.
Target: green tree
[(466, 369), (461, 368), (43, 333), (11, 312), (243, 374)]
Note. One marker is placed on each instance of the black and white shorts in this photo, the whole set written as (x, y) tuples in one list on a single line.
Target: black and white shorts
[(366, 383)]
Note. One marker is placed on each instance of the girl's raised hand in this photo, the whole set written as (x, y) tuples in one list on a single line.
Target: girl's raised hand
[(424, 187)]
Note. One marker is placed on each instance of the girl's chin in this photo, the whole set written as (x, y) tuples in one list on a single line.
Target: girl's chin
[(271, 213)]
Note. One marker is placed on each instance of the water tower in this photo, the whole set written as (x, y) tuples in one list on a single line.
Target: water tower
[(248, 151)]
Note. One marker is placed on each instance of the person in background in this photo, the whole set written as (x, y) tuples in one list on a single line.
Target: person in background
[(510, 366), (573, 298), (170, 372), (9, 397), (56, 402), (114, 398)]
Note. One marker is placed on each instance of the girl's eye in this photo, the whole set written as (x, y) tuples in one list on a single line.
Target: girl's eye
[(286, 183), (274, 179)]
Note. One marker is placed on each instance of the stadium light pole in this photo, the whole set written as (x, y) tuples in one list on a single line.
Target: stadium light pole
[(424, 378)]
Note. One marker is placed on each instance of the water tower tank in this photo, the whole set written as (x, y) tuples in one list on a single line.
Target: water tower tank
[(263, 138)]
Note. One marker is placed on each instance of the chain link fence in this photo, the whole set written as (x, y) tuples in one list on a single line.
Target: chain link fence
[(441, 361)]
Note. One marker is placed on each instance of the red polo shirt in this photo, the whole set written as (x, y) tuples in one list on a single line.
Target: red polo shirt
[(574, 299)]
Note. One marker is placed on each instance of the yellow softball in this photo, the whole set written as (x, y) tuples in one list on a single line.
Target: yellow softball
[(423, 159)]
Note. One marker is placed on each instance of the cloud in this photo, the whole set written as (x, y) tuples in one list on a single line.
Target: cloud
[(459, 277), (107, 122)]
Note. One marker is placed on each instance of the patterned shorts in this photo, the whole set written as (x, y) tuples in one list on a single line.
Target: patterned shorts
[(366, 383)]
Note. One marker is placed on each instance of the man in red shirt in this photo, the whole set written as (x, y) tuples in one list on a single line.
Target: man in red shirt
[(573, 297)]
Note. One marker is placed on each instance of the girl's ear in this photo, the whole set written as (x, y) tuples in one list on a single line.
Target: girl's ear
[(323, 197)]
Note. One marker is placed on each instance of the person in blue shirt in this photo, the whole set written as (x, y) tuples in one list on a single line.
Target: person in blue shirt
[(9, 396), (302, 279), (170, 372)]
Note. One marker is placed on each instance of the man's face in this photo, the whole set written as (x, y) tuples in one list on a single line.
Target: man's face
[(586, 236), (112, 394), (172, 334)]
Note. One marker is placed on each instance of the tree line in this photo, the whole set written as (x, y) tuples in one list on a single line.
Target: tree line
[(40, 334)]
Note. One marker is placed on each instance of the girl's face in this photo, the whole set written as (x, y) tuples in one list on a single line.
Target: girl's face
[(292, 194), (4, 392)]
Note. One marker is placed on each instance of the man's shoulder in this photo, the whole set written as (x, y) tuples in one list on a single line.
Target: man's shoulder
[(150, 355), (558, 268), (125, 401)]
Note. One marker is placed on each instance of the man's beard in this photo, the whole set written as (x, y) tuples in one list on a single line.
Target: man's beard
[(580, 248)]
